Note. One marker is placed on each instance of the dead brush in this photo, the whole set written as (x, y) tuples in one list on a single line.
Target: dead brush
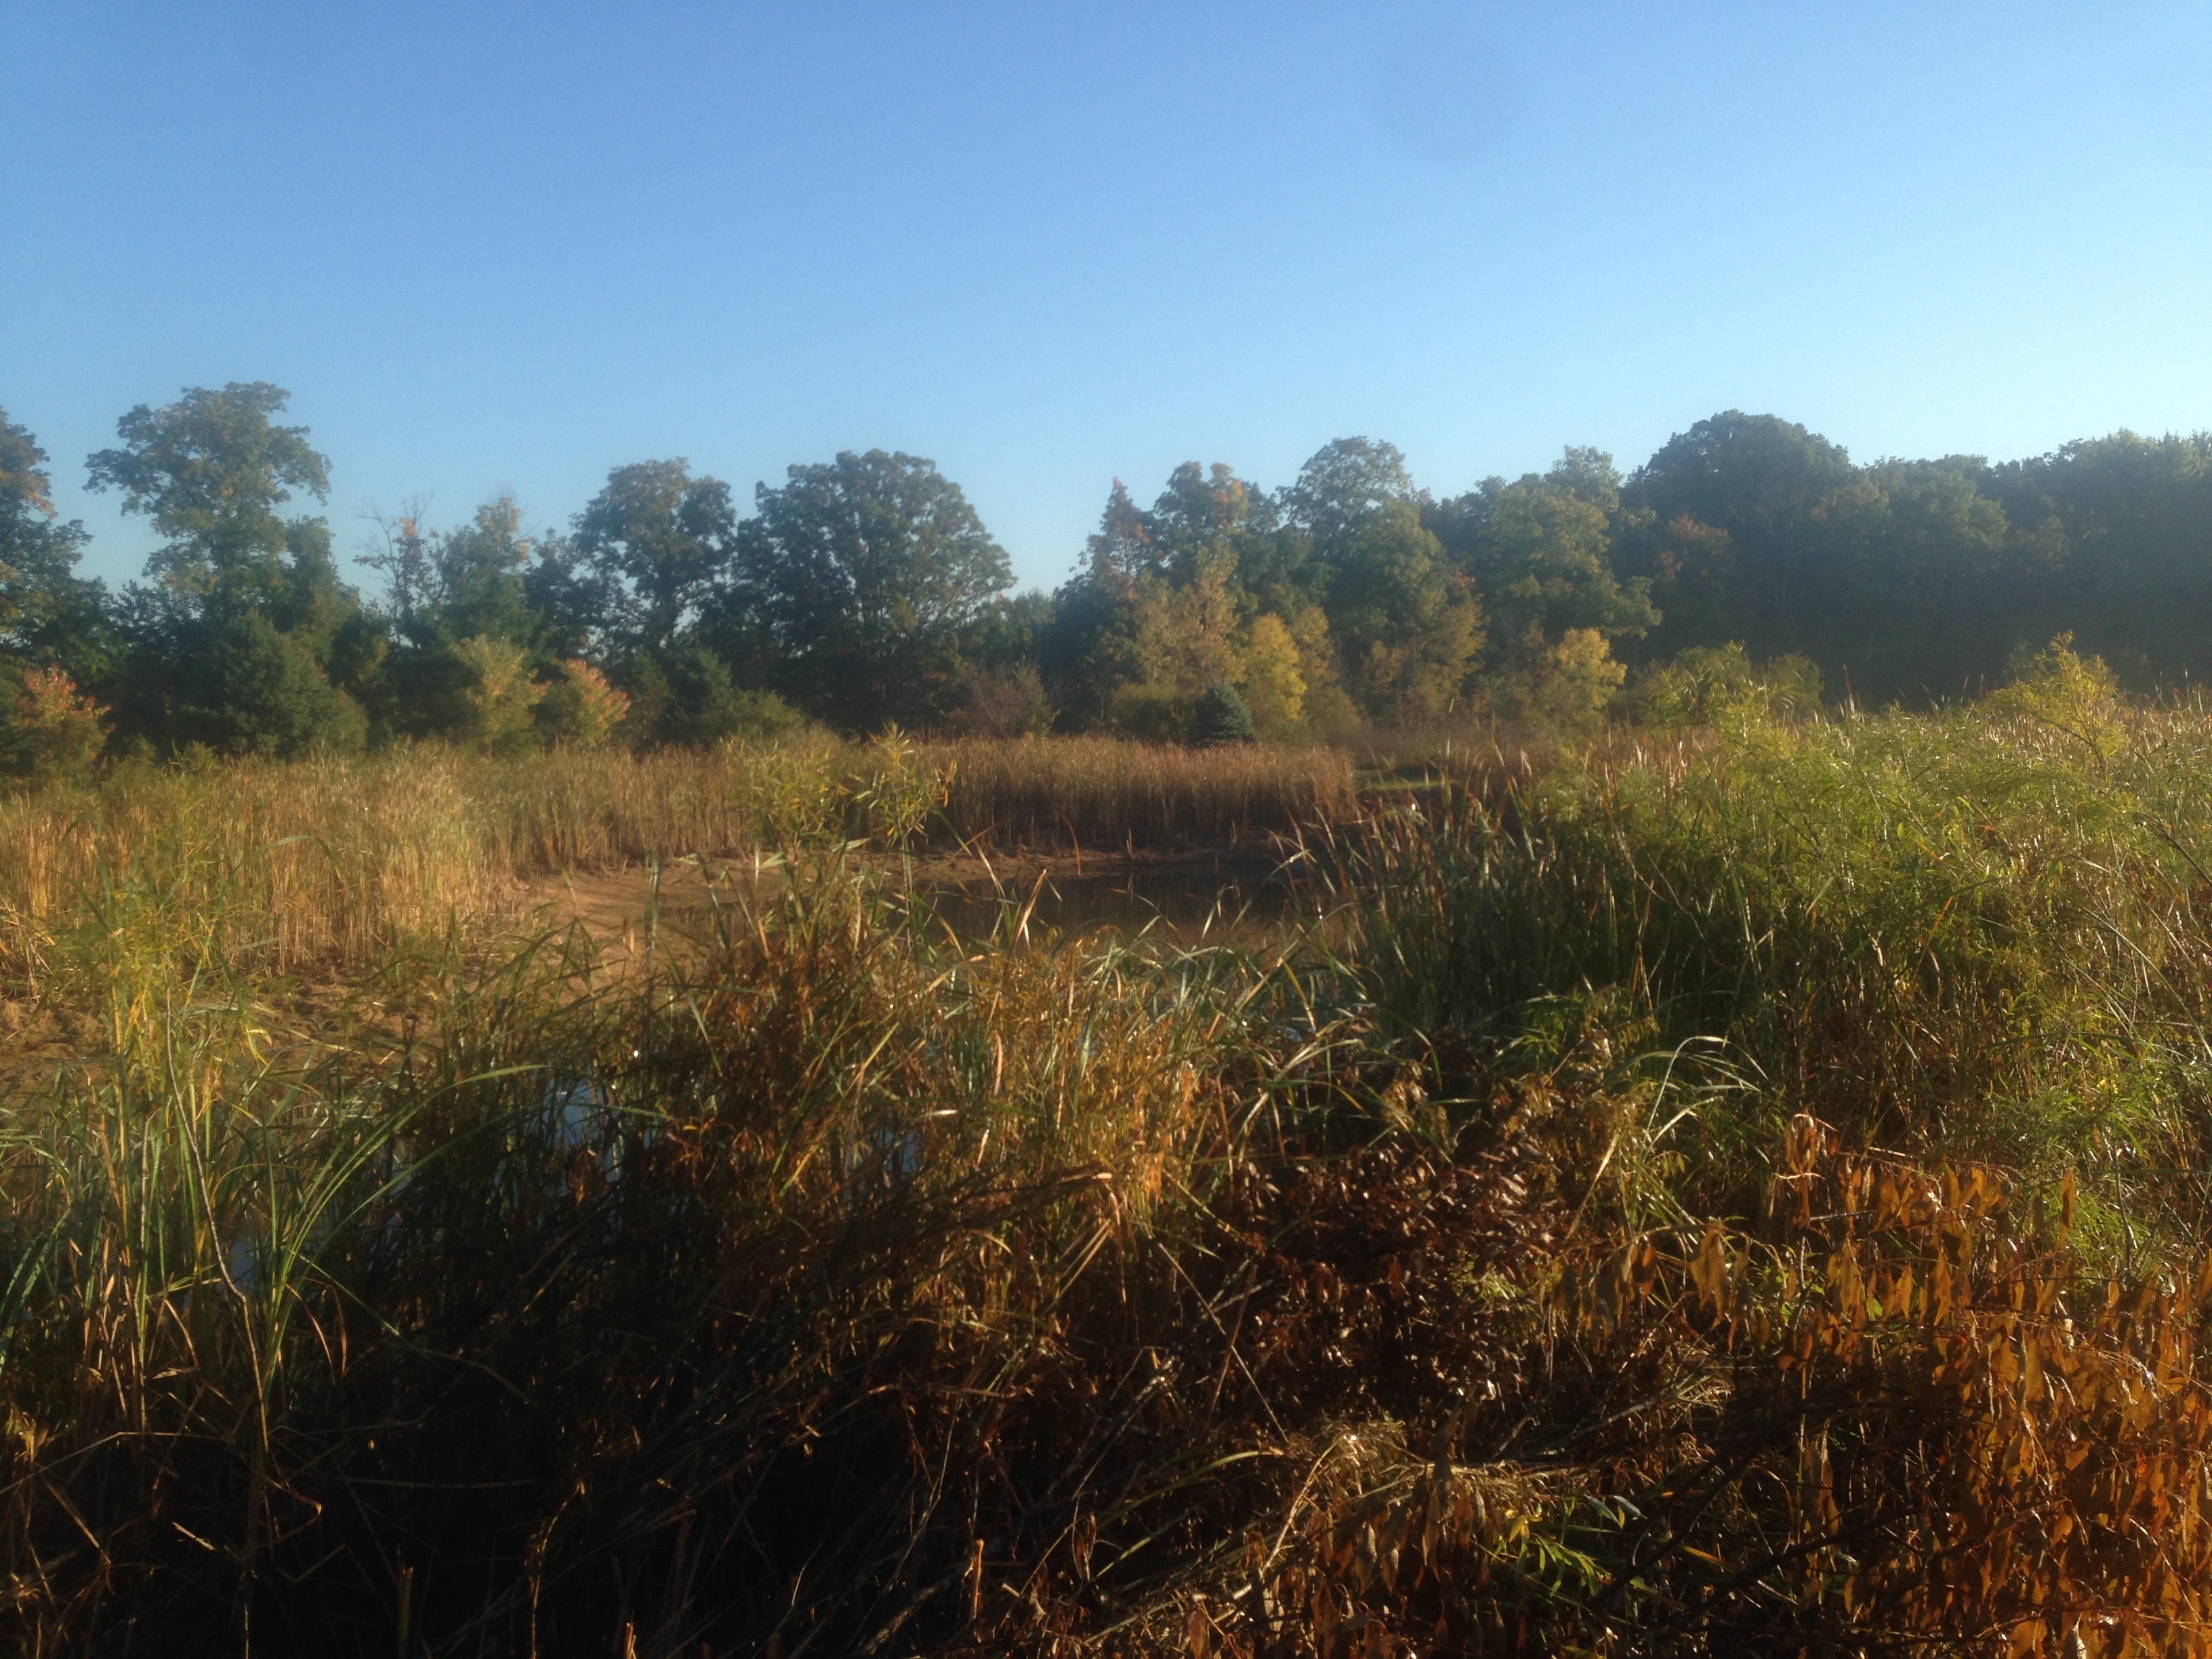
[(1927, 1428)]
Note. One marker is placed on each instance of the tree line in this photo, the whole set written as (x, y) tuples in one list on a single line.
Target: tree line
[(867, 590)]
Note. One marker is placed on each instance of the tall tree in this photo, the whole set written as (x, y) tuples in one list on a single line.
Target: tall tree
[(1407, 627), (50, 617), (1783, 494), (661, 540), (1541, 549), (246, 641), (863, 575), (1209, 587), (2117, 534), (211, 470), (455, 585), (450, 590), (1344, 486)]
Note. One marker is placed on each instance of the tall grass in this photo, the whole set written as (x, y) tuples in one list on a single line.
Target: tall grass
[(749, 1306), (1100, 792), (1978, 934), (320, 864), (1718, 1197)]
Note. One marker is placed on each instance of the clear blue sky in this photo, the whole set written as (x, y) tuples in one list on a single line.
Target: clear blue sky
[(499, 247)]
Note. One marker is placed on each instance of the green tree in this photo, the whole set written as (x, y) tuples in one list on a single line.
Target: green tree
[(447, 588), (1222, 718), (1922, 600), (1126, 546), (49, 616), (1691, 572), (1782, 495), (2111, 537), (1102, 640), (700, 703), (502, 697), (460, 584), (211, 470), (862, 576), (255, 690), (1904, 579), (660, 541), (1002, 692), (1541, 550), (1404, 628), (1408, 626), (1161, 604), (573, 602), (1286, 598), (247, 639), (1343, 487)]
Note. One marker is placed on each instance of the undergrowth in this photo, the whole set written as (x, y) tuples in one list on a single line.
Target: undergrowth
[(1733, 1193)]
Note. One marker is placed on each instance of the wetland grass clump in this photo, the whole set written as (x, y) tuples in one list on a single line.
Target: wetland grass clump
[(1980, 933), (820, 1289)]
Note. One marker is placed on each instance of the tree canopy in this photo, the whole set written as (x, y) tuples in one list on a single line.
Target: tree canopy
[(49, 617), (861, 575), (867, 590), (211, 470)]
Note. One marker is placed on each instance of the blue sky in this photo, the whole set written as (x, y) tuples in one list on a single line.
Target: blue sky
[(495, 246)]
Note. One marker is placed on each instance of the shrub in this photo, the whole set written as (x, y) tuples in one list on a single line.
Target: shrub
[(1008, 705), (503, 698), (579, 708), (56, 731), (1222, 719), (702, 706), (2073, 695), (1705, 684), (259, 692), (1576, 681), (1149, 711)]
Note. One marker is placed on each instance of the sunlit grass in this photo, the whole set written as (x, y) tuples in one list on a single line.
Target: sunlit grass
[(322, 864), (1686, 1176)]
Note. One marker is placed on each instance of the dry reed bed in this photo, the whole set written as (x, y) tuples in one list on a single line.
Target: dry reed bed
[(315, 863), (1101, 792), (1490, 1287), (846, 1298)]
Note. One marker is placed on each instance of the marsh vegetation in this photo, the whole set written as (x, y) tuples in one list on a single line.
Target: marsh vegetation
[(1724, 1186)]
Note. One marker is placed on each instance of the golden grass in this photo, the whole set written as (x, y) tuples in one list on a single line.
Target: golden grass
[(1520, 1274), (1103, 792), (292, 867)]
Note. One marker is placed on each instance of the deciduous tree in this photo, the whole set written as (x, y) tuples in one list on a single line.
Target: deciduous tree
[(246, 641), (661, 541), (49, 616), (862, 575)]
